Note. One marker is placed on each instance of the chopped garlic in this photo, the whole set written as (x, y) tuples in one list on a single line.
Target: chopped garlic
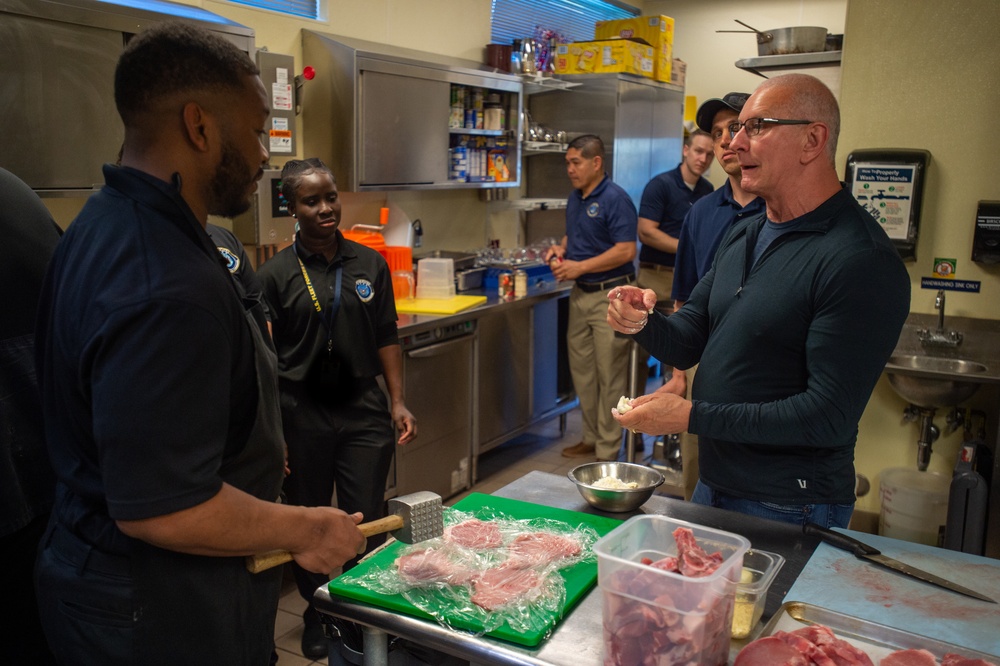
[(613, 483)]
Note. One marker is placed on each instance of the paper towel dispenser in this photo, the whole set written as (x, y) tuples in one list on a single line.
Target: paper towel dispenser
[(57, 63)]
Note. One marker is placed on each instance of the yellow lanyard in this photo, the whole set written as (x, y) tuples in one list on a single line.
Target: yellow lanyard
[(332, 312)]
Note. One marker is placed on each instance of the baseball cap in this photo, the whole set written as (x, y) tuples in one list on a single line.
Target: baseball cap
[(706, 112)]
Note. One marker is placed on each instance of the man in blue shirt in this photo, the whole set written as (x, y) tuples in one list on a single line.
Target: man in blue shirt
[(597, 251), (706, 223), (666, 199)]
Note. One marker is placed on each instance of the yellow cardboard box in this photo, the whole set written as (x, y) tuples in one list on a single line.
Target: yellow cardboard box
[(611, 55), (657, 31), (678, 73)]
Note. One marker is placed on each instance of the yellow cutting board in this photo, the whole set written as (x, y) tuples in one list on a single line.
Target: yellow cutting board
[(442, 306)]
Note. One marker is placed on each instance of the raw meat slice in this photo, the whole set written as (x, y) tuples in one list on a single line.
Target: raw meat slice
[(909, 658), (474, 533), (693, 561), (822, 647), (504, 586), (952, 659), (428, 566), (770, 651), (538, 549)]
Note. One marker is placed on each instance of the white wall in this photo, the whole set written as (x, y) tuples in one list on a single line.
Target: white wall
[(916, 75)]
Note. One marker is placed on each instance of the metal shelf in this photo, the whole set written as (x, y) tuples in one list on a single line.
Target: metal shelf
[(789, 61), (536, 83), (543, 147)]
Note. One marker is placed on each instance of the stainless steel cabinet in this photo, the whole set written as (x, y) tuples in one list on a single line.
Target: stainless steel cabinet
[(521, 352), (438, 373), (378, 114)]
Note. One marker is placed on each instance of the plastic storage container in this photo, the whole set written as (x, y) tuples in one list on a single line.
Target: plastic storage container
[(435, 278), (914, 505), (655, 616), (759, 569)]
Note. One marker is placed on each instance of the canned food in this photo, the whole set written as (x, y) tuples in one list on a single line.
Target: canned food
[(520, 284), (505, 285)]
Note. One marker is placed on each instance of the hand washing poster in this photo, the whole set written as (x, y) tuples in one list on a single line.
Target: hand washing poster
[(886, 191)]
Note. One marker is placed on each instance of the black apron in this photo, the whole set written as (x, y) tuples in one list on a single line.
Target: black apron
[(211, 610)]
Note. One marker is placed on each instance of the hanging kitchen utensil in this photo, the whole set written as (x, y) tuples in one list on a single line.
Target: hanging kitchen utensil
[(866, 552), (782, 41)]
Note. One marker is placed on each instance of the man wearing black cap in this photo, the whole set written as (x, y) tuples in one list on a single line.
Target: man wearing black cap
[(666, 199), (704, 226)]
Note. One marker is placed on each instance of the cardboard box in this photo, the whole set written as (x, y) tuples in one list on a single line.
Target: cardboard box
[(678, 73), (612, 55), (657, 31)]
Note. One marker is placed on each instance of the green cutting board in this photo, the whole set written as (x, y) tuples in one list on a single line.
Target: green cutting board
[(579, 577)]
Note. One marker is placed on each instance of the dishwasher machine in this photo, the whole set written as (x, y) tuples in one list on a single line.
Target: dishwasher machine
[(438, 377)]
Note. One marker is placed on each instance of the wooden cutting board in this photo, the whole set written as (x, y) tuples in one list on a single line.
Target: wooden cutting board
[(442, 306), (580, 578), (836, 580)]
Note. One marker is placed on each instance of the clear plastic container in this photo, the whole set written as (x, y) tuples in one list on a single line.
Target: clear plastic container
[(914, 505), (436, 278), (655, 616), (759, 569)]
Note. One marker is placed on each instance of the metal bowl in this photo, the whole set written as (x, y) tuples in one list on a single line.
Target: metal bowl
[(605, 499)]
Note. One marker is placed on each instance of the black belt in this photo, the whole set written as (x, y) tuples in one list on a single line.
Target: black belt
[(591, 287), (655, 267)]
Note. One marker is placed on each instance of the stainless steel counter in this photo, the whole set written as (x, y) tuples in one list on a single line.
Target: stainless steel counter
[(410, 324), (577, 639)]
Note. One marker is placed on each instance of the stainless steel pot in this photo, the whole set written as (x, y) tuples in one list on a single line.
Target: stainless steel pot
[(780, 41)]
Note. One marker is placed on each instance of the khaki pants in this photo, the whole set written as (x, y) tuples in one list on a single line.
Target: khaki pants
[(598, 361), (659, 280)]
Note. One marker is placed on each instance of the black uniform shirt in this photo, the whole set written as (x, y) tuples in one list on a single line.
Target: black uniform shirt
[(145, 360), (365, 321)]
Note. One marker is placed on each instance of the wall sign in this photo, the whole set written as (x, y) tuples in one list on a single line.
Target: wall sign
[(888, 183)]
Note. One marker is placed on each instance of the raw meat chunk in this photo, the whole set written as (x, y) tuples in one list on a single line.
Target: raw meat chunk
[(952, 659), (770, 651), (503, 586), (909, 658), (431, 566), (475, 534), (817, 645), (693, 561), (540, 548)]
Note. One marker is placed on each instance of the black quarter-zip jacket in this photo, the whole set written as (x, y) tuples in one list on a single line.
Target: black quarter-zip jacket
[(790, 349)]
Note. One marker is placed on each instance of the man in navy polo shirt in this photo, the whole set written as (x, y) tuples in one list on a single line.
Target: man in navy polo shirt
[(597, 251), (666, 199), (706, 223)]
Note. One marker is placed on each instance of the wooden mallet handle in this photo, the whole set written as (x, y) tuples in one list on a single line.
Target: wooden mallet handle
[(264, 561)]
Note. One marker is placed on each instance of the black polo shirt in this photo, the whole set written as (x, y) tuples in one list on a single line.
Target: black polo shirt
[(145, 361), (365, 321)]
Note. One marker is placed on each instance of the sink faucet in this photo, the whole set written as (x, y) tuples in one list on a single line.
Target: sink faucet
[(939, 306), (940, 337)]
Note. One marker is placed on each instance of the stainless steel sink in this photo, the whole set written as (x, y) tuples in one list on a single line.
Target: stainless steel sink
[(933, 381)]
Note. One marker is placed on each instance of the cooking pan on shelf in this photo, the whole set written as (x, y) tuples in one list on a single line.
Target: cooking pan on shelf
[(780, 41)]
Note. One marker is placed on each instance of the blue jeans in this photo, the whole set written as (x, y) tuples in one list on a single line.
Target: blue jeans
[(826, 515)]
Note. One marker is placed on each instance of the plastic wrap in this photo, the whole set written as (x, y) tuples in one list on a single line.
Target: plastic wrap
[(487, 570)]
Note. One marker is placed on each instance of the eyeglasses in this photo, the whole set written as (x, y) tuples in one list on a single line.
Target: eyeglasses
[(754, 125)]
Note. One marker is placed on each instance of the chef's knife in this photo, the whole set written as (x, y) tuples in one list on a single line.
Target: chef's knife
[(866, 552)]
